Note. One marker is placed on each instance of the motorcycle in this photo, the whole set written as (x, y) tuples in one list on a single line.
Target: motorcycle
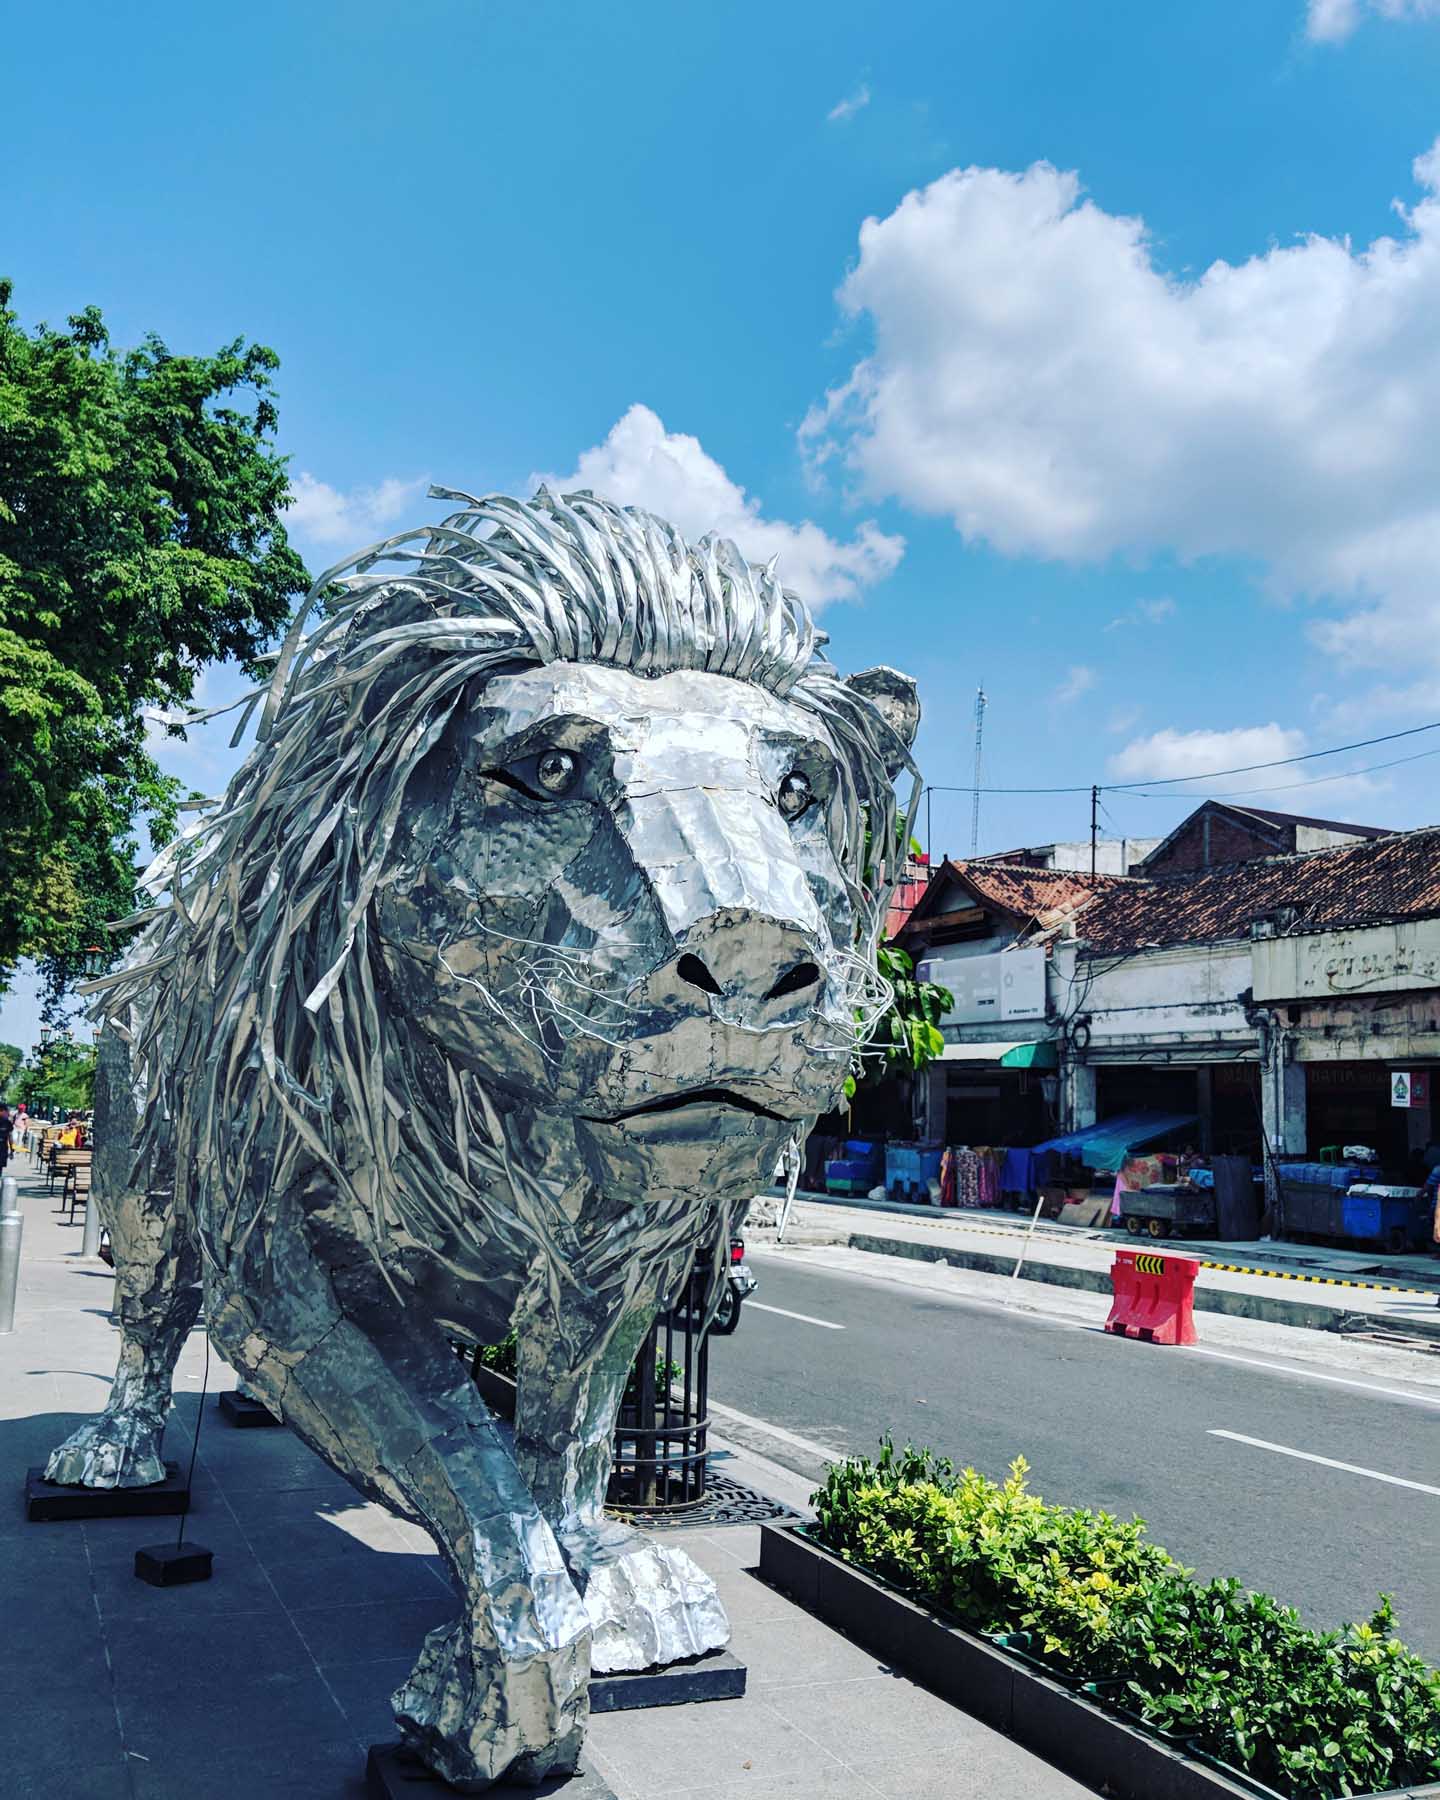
[(739, 1281)]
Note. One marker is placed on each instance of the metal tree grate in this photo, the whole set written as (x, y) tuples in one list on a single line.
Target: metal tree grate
[(726, 1502)]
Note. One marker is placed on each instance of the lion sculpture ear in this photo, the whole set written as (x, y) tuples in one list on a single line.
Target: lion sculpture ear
[(897, 700)]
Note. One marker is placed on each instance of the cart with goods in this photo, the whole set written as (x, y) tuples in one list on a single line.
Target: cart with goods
[(1172, 1209), (1311, 1197)]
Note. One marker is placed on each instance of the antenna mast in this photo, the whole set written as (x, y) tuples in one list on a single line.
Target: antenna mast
[(975, 798)]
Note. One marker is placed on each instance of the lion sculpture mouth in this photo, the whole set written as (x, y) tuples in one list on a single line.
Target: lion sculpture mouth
[(709, 1096)]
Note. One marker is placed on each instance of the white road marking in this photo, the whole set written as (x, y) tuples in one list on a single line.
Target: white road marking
[(804, 1318), (1328, 1462), (1027, 1310), (1278, 1368), (808, 1445)]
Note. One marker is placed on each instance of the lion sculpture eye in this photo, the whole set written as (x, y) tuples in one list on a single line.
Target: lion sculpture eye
[(794, 795), (556, 772)]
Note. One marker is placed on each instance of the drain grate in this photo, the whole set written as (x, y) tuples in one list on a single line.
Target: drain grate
[(726, 1502)]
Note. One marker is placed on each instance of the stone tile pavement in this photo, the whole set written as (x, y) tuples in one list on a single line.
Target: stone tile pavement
[(270, 1680)]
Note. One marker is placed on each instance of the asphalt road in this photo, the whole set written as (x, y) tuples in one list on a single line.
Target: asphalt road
[(1109, 1423)]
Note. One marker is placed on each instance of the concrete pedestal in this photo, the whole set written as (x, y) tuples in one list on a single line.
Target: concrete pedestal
[(717, 1676), (47, 1500), (394, 1773)]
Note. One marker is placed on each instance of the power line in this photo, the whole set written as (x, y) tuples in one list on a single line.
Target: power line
[(1280, 762), (1290, 786)]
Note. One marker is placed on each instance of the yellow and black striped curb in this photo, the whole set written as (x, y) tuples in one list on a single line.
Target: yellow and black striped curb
[(1379, 1287), (1051, 1238)]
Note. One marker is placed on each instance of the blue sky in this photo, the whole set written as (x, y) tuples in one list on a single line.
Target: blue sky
[(1122, 401)]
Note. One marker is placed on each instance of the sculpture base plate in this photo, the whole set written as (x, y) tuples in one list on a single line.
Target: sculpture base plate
[(45, 1500), (715, 1676), (242, 1409), (394, 1773), (171, 1565)]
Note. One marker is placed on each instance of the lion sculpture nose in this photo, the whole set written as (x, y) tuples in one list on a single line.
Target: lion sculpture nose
[(745, 970)]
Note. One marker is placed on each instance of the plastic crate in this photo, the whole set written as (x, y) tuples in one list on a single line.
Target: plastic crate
[(910, 1168)]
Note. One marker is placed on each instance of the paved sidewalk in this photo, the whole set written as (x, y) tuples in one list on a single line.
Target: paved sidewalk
[(1340, 1290), (269, 1681)]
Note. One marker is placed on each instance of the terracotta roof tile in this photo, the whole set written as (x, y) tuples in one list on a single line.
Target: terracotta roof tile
[(1044, 894), (1396, 877)]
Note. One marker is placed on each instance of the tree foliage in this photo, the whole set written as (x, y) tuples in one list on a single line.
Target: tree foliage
[(140, 537), (56, 1078), (907, 1036)]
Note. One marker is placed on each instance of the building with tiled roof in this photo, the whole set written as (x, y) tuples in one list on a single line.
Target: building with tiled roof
[(1381, 878), (1220, 832), (964, 898)]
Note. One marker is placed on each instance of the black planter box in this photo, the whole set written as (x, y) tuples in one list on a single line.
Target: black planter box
[(1066, 1727), (497, 1391)]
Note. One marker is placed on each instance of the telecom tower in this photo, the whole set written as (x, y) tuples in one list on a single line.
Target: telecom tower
[(979, 740)]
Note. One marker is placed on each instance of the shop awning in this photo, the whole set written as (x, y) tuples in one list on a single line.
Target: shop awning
[(1106, 1145), (1039, 1055)]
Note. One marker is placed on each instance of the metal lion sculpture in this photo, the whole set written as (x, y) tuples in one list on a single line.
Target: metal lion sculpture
[(534, 926)]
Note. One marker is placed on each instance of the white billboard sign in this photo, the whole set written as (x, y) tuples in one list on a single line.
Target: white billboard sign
[(1330, 964), (1007, 985)]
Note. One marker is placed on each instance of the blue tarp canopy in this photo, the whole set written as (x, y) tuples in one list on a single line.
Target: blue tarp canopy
[(1106, 1145)]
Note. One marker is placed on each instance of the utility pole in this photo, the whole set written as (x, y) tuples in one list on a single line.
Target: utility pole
[(979, 740), (1094, 826)]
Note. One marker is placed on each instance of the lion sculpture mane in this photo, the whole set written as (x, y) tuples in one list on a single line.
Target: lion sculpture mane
[(533, 929)]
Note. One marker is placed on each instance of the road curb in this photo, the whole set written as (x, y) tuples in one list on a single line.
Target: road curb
[(1270, 1309)]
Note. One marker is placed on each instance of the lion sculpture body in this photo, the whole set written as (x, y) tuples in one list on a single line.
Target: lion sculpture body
[(531, 931)]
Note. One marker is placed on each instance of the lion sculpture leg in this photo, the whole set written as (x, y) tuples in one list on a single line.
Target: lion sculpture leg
[(157, 1274), (647, 1603), (157, 1279), (378, 1392)]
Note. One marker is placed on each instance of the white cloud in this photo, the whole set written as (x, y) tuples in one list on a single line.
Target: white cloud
[(325, 515), (1078, 680), (1308, 787), (1168, 753), (640, 463), (1145, 612), (1037, 378), (1332, 21), (850, 105)]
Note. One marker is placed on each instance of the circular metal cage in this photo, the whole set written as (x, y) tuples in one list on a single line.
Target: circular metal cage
[(663, 1424)]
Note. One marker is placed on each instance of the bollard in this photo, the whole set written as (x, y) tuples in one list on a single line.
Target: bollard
[(12, 1224), (90, 1243)]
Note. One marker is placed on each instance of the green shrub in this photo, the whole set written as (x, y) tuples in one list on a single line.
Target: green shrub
[(1312, 1714), (503, 1359)]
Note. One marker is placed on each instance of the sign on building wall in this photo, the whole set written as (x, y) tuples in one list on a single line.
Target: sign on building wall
[(1410, 1089), (1007, 985), (1330, 964)]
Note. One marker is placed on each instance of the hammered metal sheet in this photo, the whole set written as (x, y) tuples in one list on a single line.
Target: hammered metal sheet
[(538, 922)]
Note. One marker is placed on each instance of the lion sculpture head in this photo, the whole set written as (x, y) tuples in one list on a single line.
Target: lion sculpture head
[(562, 854)]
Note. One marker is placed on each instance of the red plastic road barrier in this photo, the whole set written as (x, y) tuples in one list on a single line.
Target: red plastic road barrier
[(1154, 1297)]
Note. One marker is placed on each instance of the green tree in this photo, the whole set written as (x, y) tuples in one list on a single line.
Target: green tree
[(907, 1036), (11, 1057), (56, 1078), (140, 537)]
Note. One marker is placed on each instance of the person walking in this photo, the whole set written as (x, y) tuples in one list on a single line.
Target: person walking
[(7, 1128)]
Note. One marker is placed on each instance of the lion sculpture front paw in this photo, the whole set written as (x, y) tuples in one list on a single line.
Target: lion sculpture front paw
[(113, 1450), (475, 1719), (648, 1603)]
